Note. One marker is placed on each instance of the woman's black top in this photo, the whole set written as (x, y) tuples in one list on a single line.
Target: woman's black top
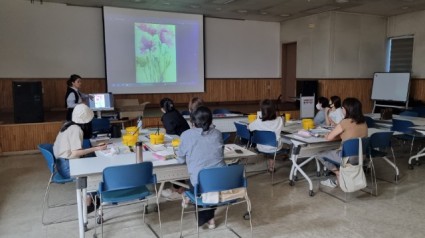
[(174, 123)]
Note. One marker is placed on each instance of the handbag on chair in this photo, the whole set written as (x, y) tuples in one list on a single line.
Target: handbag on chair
[(352, 177)]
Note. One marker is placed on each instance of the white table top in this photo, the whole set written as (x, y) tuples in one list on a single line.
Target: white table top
[(95, 165), (419, 121)]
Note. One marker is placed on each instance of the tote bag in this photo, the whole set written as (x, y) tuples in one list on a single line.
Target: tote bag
[(352, 177)]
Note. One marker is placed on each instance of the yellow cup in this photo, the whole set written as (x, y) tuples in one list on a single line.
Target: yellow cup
[(175, 142), (307, 124), (130, 140), (157, 138), (132, 130), (287, 116), (252, 117)]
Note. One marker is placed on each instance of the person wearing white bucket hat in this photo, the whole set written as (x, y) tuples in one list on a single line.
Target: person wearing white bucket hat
[(69, 143)]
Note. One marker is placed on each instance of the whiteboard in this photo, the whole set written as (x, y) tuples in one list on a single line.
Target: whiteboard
[(391, 86)]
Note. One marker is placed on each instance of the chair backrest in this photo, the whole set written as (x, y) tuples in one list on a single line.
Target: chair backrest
[(86, 144), (369, 122), (264, 138), (420, 110), (221, 178), (242, 131), (381, 140), (221, 111), (351, 147), (409, 113), (101, 125), (128, 176), (47, 152), (226, 136), (402, 126)]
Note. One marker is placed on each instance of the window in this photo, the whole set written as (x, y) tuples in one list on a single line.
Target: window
[(400, 51)]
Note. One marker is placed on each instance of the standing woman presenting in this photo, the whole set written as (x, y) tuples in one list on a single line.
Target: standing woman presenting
[(73, 95)]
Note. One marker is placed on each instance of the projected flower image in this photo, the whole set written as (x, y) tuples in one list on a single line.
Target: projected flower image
[(155, 47)]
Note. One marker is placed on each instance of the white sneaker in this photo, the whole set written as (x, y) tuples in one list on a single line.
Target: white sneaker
[(166, 193), (211, 224), (329, 183)]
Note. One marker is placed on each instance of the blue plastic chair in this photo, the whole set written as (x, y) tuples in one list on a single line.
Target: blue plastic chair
[(55, 177), (420, 111), (221, 111), (126, 183), (409, 114), (216, 180), (101, 126), (380, 142), (268, 138), (243, 133), (409, 134), (350, 148), (369, 122), (226, 136)]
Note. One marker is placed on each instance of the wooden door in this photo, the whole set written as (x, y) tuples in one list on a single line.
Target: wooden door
[(289, 71)]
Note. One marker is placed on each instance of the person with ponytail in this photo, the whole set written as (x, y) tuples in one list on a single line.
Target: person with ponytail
[(69, 143), (201, 147), (73, 95), (173, 122)]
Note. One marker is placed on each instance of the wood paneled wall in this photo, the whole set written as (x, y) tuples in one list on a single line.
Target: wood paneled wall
[(216, 90), (358, 88), (23, 137)]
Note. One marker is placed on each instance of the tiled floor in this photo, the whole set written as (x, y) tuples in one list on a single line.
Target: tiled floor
[(278, 211)]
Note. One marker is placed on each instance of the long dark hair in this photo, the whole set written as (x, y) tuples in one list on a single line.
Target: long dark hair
[(268, 110), (167, 104), (202, 118), (72, 79), (336, 101), (67, 124), (353, 110)]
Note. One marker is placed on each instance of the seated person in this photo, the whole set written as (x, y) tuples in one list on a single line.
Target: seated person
[(69, 141), (353, 126), (334, 113), (201, 147), (269, 121), (322, 104), (173, 122)]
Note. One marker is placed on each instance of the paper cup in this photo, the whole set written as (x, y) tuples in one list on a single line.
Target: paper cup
[(287, 116)]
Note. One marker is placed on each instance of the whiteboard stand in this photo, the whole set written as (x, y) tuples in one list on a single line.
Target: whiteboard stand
[(390, 87), (388, 105)]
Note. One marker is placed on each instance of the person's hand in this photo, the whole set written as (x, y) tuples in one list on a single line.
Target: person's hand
[(101, 146)]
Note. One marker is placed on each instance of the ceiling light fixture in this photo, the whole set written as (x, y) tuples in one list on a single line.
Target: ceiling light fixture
[(242, 11), (284, 15)]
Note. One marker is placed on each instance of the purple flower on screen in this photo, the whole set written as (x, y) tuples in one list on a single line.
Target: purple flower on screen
[(146, 28), (146, 45), (166, 37)]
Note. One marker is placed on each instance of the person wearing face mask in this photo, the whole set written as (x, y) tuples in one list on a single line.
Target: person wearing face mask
[(334, 113), (322, 104), (353, 126)]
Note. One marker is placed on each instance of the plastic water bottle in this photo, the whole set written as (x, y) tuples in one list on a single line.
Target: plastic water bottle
[(139, 152)]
